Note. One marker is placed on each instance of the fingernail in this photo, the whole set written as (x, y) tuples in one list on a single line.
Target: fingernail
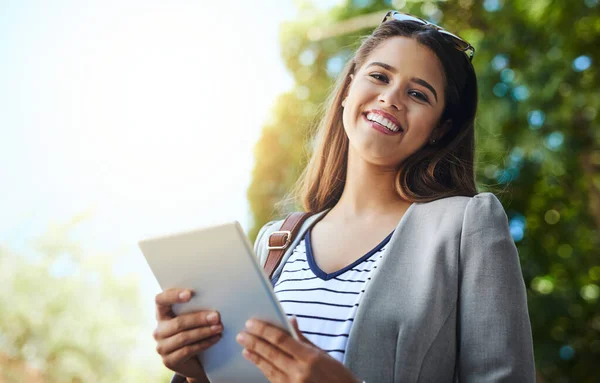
[(212, 317), (184, 295), (216, 328), (250, 324), (246, 354), (241, 337)]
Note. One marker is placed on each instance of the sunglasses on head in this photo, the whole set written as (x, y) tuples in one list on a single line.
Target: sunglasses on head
[(458, 42)]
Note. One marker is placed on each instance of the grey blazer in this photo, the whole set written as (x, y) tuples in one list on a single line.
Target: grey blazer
[(448, 302)]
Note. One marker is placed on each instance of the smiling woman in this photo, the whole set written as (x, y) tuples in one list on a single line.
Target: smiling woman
[(400, 271)]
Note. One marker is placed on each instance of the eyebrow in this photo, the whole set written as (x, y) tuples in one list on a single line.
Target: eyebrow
[(418, 80)]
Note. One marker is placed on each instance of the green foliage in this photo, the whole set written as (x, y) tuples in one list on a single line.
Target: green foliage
[(538, 145), (67, 318)]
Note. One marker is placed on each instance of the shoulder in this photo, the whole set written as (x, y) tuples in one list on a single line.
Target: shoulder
[(461, 202), (476, 220), (460, 205), (459, 212), (483, 213)]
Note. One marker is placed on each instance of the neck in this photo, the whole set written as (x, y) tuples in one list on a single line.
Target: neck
[(369, 191)]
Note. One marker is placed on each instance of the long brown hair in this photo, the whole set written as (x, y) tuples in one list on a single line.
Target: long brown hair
[(433, 172)]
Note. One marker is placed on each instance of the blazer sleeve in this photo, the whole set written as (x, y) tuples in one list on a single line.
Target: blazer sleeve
[(495, 342)]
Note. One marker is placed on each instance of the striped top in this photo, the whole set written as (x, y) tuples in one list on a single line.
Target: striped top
[(325, 304)]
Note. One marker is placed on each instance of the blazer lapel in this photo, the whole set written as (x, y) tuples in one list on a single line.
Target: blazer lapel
[(371, 347)]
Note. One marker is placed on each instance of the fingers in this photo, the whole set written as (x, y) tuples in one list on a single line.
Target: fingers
[(184, 338), (169, 297), (179, 356), (271, 372), (269, 359), (267, 350), (277, 337), (168, 328)]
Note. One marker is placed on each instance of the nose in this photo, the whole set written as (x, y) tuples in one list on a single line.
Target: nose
[(391, 99)]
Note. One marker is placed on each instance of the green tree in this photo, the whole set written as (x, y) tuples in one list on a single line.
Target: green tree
[(538, 144), (66, 317)]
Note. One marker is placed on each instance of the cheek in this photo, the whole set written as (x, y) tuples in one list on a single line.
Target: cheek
[(418, 136), (358, 96), (349, 114), (414, 142), (346, 119)]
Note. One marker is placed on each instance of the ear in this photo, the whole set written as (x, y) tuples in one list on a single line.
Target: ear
[(348, 87), (439, 132)]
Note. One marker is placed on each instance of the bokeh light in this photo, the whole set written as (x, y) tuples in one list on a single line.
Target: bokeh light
[(500, 89), (543, 285), (335, 65), (517, 227), (536, 119), (582, 63), (555, 140), (590, 292), (307, 57), (499, 62), (507, 75), (567, 352), (520, 93), (552, 217), (492, 5)]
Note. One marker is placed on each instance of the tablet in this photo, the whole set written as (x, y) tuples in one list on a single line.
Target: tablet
[(219, 265)]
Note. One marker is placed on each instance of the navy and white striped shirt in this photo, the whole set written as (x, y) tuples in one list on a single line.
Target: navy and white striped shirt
[(325, 304)]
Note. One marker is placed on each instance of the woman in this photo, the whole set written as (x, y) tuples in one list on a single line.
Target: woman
[(404, 273)]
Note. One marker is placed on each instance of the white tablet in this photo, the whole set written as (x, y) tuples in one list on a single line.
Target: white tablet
[(219, 265)]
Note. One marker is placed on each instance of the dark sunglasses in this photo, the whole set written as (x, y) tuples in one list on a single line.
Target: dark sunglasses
[(458, 42)]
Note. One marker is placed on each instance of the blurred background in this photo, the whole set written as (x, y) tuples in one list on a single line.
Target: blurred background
[(120, 120)]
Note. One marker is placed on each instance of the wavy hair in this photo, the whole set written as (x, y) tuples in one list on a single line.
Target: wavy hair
[(436, 171)]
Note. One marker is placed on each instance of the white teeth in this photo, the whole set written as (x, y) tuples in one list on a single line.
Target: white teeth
[(389, 125)]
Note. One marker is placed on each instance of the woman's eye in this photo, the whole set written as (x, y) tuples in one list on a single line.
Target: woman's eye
[(379, 77), (420, 96)]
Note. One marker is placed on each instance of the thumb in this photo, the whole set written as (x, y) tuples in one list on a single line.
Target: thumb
[(302, 338)]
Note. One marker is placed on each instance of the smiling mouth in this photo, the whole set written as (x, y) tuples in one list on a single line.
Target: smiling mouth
[(383, 122)]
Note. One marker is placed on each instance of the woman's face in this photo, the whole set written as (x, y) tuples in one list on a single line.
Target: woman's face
[(394, 102)]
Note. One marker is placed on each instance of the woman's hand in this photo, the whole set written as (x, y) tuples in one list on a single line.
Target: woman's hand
[(281, 358), (180, 338)]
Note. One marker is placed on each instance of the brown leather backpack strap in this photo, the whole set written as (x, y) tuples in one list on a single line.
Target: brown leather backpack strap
[(280, 240)]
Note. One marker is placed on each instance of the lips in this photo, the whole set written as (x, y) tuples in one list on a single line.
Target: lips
[(383, 122), (385, 115), (377, 126)]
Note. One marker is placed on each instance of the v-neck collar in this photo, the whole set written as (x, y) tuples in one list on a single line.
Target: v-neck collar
[(327, 276)]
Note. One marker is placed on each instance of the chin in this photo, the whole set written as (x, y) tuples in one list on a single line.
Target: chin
[(381, 161)]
